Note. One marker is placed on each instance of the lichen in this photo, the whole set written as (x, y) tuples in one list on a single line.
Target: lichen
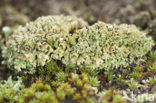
[(38, 42), (9, 89), (72, 42), (107, 46)]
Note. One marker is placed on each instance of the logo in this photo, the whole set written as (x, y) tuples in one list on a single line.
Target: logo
[(139, 98)]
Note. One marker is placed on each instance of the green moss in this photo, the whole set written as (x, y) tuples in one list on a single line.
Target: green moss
[(152, 80), (76, 88), (133, 84), (9, 89), (153, 56), (136, 75), (108, 96), (152, 69)]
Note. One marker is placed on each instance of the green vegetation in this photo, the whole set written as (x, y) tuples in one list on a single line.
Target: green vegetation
[(60, 38), (9, 89), (76, 88), (108, 95), (107, 46), (39, 42), (61, 59)]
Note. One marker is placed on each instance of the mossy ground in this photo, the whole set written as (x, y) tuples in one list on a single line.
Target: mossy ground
[(138, 78)]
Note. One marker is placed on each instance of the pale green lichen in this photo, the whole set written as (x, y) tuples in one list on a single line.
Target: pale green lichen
[(8, 90), (107, 46), (71, 41), (38, 42)]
